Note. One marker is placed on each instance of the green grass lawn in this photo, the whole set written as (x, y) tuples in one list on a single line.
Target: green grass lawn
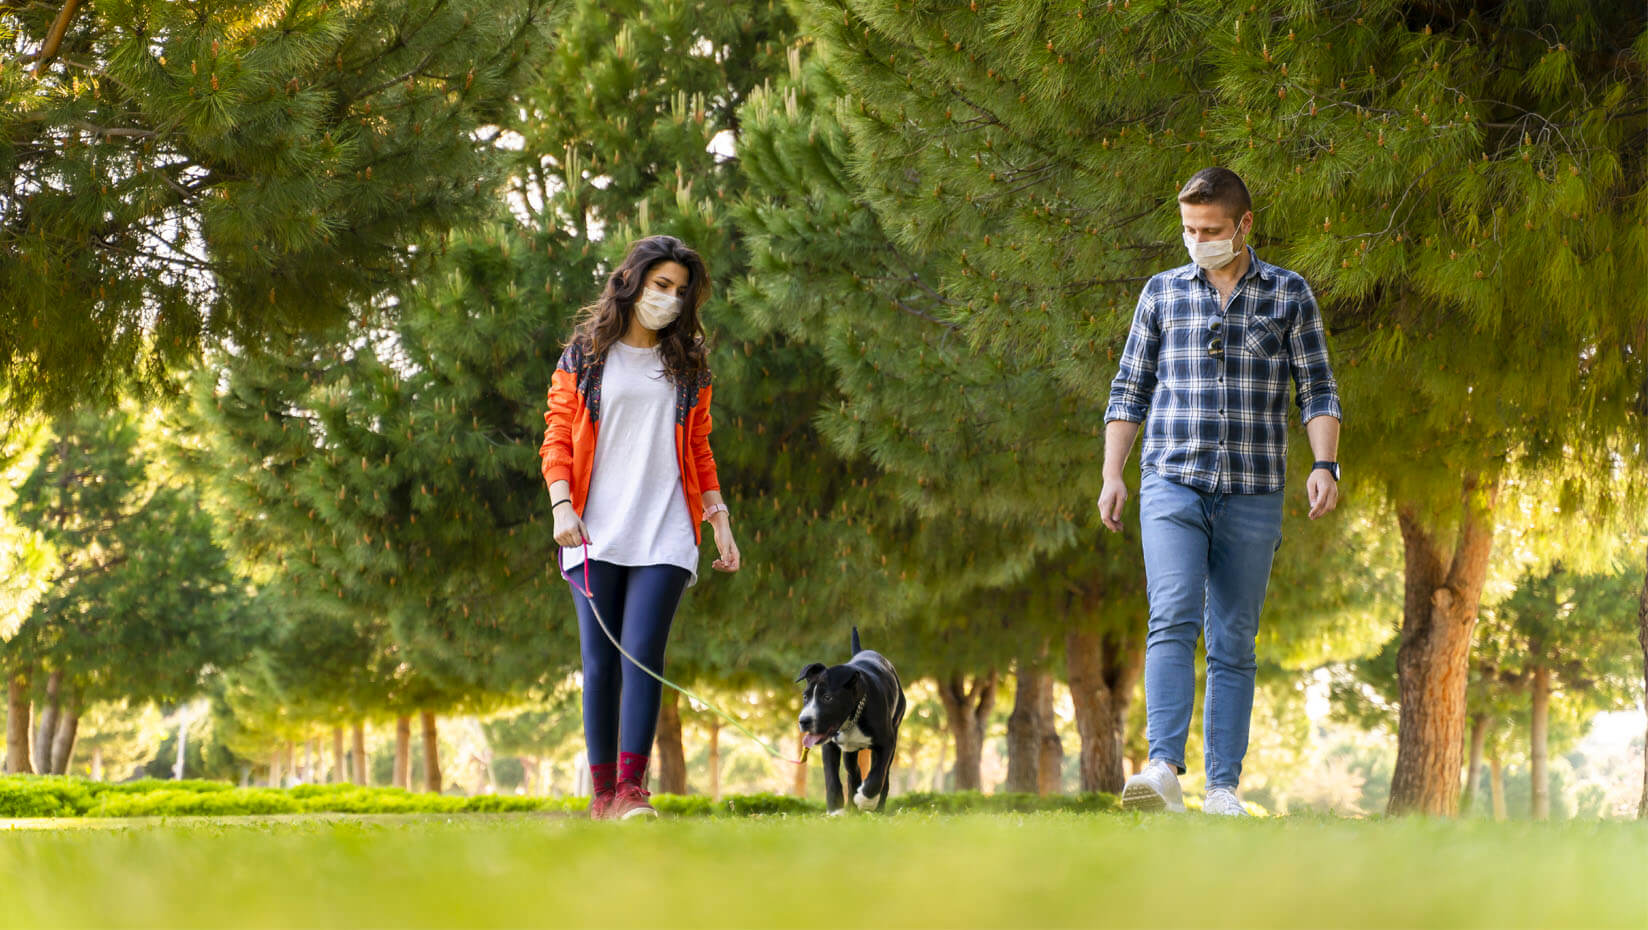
[(912, 870)]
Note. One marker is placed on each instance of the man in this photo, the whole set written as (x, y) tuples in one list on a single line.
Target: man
[(1206, 369)]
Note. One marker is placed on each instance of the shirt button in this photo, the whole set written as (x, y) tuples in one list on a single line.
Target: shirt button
[(1221, 379)]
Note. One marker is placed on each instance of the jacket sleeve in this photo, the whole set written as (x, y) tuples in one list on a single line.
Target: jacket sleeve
[(703, 460), (556, 451)]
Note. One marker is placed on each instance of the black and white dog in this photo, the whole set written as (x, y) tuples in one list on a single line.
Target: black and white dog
[(850, 708)]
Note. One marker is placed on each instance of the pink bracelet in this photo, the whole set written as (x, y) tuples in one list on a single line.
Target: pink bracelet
[(714, 509)]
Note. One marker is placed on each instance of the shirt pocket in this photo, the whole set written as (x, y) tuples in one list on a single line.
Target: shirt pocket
[(1265, 337)]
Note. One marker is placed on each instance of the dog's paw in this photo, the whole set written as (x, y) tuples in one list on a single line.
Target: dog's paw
[(838, 812), (864, 801)]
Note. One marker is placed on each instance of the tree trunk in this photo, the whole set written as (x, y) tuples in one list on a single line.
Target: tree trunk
[(288, 760), (274, 767), (905, 772), (529, 775), (431, 755), (68, 730), (1103, 670), (1496, 786), (97, 763), (17, 722), (1050, 767), (1024, 729), (339, 773), (1135, 764), (313, 761), (1473, 771), (715, 759), (1539, 741), (358, 739), (402, 776), (1642, 637), (798, 784), (668, 748), (182, 746), (46, 725), (943, 757), (967, 709), (1433, 662)]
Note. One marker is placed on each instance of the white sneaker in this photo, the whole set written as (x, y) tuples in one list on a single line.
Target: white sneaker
[(1223, 801), (1153, 789)]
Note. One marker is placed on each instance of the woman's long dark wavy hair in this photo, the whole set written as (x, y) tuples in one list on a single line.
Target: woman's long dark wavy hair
[(681, 343)]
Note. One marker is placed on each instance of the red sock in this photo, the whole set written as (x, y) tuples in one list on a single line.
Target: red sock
[(632, 767), (604, 777)]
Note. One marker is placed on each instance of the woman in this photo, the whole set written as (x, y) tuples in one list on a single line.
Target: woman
[(631, 478)]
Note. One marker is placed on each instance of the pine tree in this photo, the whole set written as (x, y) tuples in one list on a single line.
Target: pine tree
[(144, 601), (435, 415), (957, 506), (994, 461), (1443, 176), (309, 468), (26, 562), (183, 172), (1566, 637), (619, 138)]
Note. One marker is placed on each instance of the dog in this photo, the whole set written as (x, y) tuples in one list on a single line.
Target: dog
[(850, 708)]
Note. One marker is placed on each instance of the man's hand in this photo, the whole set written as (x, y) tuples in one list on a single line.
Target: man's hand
[(1323, 491), (1112, 499)]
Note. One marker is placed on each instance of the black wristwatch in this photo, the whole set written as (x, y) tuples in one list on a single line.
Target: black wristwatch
[(1332, 467)]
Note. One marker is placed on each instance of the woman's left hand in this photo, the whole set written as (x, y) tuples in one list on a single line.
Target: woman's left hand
[(729, 560)]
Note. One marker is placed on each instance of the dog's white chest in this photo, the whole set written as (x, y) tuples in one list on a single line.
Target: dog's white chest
[(851, 738)]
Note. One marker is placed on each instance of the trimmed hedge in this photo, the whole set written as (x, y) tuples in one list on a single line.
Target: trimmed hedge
[(973, 802), (59, 796)]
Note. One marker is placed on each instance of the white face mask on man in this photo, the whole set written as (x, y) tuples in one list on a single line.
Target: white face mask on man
[(656, 309), (1215, 253)]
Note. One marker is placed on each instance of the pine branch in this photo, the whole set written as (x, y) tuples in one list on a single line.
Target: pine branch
[(54, 38)]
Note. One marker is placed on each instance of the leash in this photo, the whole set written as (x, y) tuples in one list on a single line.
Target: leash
[(589, 596)]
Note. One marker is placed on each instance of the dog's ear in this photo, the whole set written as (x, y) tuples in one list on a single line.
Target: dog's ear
[(810, 672)]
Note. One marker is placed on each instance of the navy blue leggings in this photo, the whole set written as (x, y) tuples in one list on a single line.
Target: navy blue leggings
[(638, 604)]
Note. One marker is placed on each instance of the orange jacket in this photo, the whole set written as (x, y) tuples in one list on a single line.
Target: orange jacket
[(574, 421)]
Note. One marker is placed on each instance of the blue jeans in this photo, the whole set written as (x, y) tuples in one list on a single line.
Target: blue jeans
[(1206, 562), (638, 604)]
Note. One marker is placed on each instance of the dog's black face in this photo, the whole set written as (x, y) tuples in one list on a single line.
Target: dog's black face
[(830, 696)]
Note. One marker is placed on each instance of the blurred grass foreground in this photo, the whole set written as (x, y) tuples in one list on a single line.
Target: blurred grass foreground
[(914, 869)]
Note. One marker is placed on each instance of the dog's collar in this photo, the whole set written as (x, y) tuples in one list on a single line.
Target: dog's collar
[(857, 712)]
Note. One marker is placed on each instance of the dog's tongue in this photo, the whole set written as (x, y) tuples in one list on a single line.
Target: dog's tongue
[(809, 740)]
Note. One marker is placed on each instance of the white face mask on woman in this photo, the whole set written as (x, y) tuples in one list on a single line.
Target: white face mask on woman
[(656, 309)]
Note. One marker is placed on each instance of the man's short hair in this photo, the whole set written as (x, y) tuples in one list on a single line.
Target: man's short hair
[(1220, 186)]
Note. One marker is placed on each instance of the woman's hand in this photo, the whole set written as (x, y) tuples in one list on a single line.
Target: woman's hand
[(730, 559), (569, 527)]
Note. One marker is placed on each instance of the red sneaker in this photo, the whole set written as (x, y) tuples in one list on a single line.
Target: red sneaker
[(600, 805), (630, 802)]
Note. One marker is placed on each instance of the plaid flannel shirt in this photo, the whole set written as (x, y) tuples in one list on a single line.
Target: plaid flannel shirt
[(1220, 425)]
